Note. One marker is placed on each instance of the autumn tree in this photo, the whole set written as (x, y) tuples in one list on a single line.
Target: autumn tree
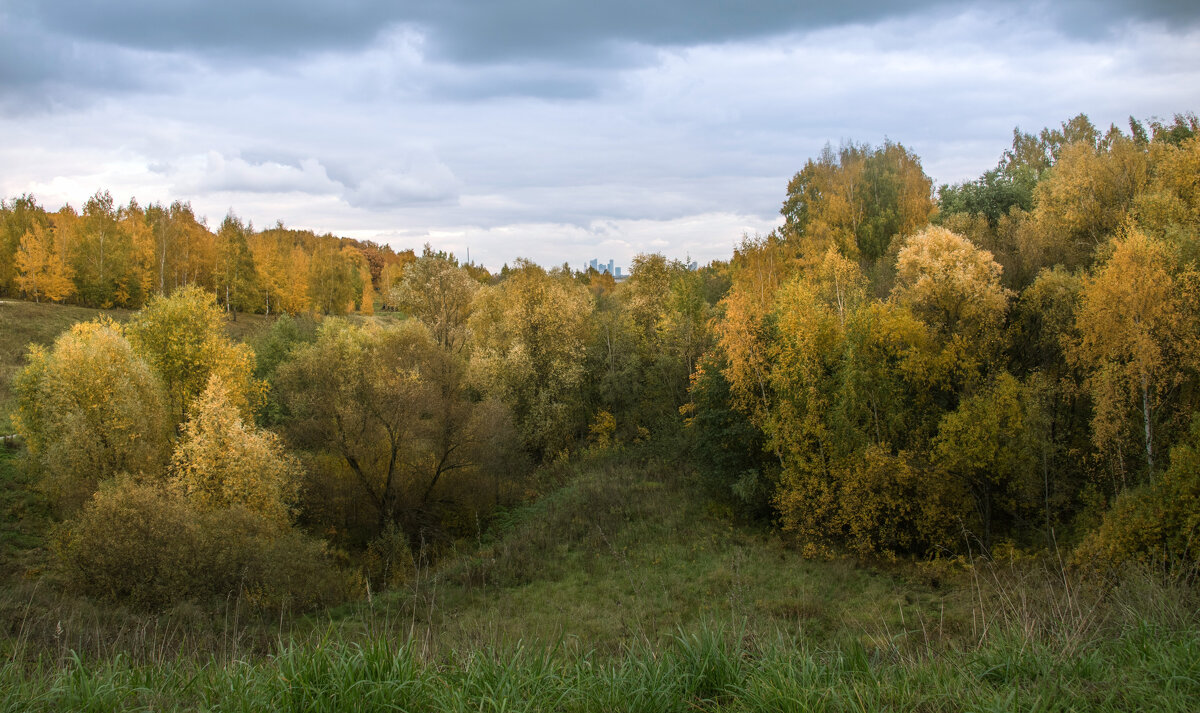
[(1083, 200), (1156, 524), (221, 461), (758, 268), (104, 256), (857, 201), (234, 272), (528, 336), (377, 399), (1169, 206), (42, 269), (90, 408), (183, 338), (283, 266), (435, 290), (954, 287), (17, 217), (993, 444), (1136, 324), (649, 331), (184, 250), (334, 279)]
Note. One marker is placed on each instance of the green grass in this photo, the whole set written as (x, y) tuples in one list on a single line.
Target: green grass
[(623, 554), (712, 669)]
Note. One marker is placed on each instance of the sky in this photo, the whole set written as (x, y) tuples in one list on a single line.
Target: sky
[(552, 130)]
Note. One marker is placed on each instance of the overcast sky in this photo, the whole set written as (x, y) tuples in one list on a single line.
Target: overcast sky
[(548, 129)]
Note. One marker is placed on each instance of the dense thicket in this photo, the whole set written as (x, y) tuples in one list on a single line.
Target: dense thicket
[(1000, 375)]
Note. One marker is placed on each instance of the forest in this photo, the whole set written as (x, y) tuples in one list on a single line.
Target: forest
[(903, 376)]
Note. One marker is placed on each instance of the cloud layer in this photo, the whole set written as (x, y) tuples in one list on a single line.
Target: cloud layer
[(558, 131)]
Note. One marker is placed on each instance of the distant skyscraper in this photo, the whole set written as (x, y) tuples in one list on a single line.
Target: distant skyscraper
[(610, 267)]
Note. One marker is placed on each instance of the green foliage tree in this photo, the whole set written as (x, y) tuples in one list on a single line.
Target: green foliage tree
[(104, 256), (529, 335), (728, 448), (1156, 524), (438, 292), (235, 273), (388, 402), (992, 444)]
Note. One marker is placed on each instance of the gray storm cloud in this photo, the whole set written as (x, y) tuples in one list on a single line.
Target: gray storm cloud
[(546, 128), (74, 34)]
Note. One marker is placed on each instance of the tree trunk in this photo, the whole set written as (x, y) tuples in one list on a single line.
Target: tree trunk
[(1146, 423)]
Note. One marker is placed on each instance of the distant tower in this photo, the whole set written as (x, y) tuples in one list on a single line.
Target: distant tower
[(610, 267)]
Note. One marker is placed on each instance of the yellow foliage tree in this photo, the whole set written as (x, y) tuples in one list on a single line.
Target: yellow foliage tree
[(954, 287), (757, 269), (184, 340), (1137, 343), (222, 462), (42, 270), (1082, 202), (90, 408)]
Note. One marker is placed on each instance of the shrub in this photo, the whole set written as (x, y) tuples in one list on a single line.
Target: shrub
[(389, 559), (141, 545)]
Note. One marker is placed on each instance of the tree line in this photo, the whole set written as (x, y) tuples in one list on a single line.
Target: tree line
[(121, 256)]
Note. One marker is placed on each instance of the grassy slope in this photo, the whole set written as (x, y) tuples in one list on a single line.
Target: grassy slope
[(619, 591), (622, 554)]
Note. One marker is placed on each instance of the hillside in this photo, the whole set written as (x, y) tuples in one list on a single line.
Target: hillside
[(620, 589)]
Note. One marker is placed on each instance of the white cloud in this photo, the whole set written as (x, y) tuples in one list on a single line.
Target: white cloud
[(215, 173)]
